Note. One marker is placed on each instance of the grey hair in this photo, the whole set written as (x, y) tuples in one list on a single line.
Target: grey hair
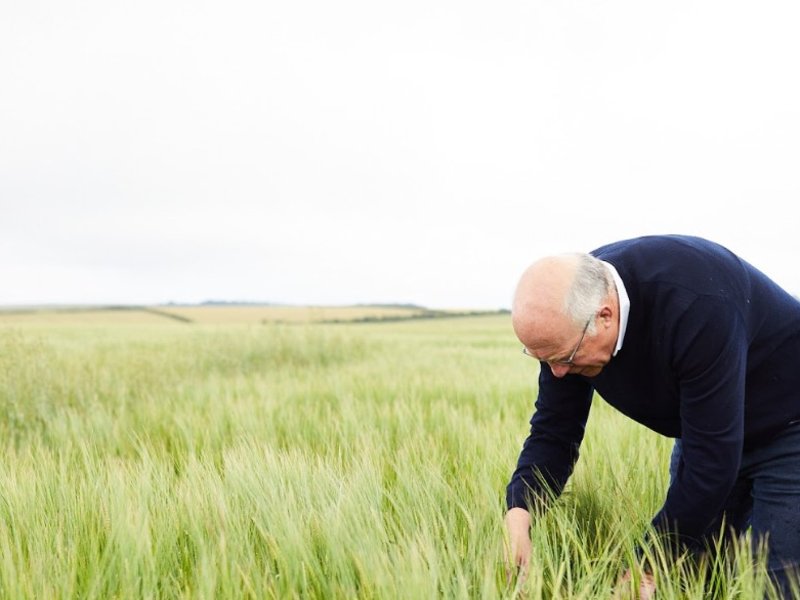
[(591, 285)]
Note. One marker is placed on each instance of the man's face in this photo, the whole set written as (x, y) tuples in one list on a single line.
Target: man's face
[(539, 320), (568, 350)]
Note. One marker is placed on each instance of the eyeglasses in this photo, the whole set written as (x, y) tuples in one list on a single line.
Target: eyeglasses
[(566, 361)]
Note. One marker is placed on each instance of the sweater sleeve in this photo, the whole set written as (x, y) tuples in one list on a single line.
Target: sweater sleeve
[(709, 362), (551, 449)]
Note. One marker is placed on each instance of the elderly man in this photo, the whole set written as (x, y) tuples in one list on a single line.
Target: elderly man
[(686, 338)]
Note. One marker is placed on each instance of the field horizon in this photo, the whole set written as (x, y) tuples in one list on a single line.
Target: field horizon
[(223, 312)]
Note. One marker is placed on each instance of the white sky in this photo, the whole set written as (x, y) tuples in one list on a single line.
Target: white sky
[(363, 151)]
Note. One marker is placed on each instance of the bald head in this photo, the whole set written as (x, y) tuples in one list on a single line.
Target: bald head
[(566, 313), (560, 292), (539, 309)]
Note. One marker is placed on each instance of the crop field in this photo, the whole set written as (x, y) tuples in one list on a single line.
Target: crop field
[(146, 457)]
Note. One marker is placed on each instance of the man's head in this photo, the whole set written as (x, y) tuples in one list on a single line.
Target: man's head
[(566, 313)]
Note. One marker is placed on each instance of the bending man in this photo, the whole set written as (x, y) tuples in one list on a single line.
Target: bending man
[(686, 338)]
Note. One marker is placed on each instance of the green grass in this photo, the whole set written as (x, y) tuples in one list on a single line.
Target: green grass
[(165, 460)]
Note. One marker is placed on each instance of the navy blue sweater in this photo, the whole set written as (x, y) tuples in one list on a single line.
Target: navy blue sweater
[(711, 355)]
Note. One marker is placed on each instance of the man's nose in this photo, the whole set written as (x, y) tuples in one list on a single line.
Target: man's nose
[(559, 370)]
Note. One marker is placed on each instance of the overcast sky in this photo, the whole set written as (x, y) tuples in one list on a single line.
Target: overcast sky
[(418, 151)]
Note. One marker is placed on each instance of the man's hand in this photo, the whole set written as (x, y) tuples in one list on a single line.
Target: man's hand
[(518, 550), (647, 586)]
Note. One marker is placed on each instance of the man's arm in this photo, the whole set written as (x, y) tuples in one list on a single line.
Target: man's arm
[(710, 362), (547, 458), (551, 448)]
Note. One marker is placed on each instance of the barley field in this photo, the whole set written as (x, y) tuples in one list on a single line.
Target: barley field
[(145, 457)]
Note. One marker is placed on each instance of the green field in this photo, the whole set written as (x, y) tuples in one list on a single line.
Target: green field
[(153, 458)]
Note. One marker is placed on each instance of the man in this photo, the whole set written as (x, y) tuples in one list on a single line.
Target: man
[(691, 341)]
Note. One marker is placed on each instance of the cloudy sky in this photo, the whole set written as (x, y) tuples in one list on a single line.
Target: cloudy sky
[(364, 151)]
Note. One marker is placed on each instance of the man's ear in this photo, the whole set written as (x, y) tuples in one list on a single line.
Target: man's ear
[(606, 315)]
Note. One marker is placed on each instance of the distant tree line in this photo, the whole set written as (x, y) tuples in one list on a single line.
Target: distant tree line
[(423, 313)]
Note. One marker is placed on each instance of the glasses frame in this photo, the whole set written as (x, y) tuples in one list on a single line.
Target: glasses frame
[(567, 361)]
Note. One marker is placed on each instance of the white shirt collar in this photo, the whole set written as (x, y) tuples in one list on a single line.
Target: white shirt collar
[(624, 305)]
